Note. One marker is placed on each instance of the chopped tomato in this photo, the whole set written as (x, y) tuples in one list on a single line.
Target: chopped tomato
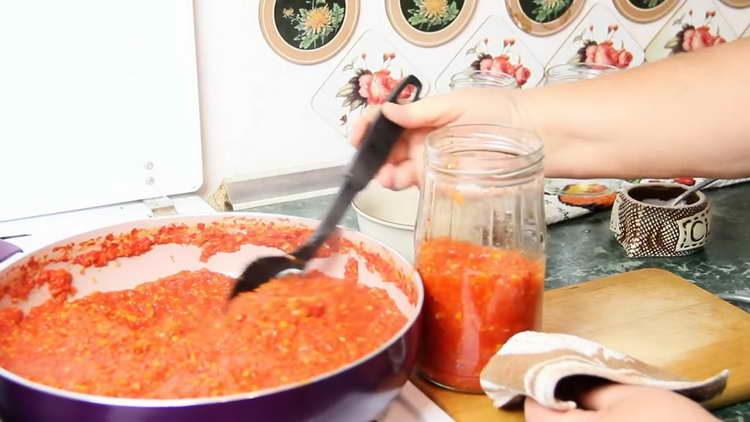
[(172, 338), (476, 298), (175, 338)]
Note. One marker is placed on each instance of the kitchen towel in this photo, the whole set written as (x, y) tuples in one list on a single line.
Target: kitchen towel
[(532, 364)]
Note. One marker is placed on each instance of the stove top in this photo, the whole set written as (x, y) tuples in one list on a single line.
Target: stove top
[(413, 406)]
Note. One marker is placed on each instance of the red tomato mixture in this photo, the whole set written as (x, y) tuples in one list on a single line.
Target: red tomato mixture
[(221, 236), (175, 337), (476, 297)]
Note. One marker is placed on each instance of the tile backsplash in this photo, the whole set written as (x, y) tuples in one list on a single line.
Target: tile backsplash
[(499, 46), (262, 113), (600, 38)]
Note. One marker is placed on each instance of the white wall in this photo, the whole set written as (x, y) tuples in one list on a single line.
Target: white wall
[(256, 106)]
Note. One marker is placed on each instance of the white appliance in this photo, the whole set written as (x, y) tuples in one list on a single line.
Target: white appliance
[(100, 125)]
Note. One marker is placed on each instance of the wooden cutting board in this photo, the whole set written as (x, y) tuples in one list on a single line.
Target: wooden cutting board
[(650, 314)]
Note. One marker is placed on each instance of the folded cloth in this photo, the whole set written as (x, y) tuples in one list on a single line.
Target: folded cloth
[(532, 364), (562, 207)]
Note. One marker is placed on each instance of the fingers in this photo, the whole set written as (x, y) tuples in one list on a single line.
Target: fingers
[(607, 395), (385, 175), (398, 176), (430, 112), (360, 126), (625, 403), (399, 152), (405, 166), (405, 175), (534, 412)]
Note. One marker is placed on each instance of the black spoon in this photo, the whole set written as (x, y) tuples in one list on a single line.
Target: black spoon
[(377, 145)]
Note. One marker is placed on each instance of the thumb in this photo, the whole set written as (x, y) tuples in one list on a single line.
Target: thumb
[(432, 111), (534, 412)]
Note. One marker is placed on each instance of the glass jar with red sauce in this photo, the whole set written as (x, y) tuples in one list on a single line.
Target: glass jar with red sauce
[(479, 247)]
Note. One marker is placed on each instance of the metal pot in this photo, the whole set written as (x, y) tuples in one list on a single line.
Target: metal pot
[(359, 391)]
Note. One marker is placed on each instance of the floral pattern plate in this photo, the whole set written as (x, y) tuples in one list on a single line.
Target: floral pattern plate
[(694, 25), (365, 77), (494, 47), (600, 39), (429, 23), (543, 17), (737, 3), (645, 10), (308, 31)]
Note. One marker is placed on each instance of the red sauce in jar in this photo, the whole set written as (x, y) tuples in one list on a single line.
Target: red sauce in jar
[(476, 297)]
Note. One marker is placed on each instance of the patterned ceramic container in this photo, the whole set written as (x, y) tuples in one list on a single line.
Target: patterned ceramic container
[(647, 226)]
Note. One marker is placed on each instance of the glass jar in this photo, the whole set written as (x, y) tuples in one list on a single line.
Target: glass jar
[(567, 72), (579, 188), (478, 78), (474, 78), (479, 247)]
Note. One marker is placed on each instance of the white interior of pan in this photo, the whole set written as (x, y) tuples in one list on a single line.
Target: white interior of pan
[(165, 260)]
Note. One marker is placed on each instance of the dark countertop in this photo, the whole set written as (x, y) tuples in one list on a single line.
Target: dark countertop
[(584, 249), (723, 266)]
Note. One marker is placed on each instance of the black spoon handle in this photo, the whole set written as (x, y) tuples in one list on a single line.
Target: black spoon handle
[(378, 142), (13, 236)]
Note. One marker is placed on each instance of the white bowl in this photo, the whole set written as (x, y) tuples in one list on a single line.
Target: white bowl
[(389, 216)]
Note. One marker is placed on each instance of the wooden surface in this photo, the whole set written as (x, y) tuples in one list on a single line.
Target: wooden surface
[(650, 314)]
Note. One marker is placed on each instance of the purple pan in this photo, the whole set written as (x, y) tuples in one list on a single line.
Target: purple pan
[(359, 391), (7, 250)]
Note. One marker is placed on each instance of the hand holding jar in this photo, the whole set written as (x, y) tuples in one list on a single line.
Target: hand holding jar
[(463, 106), (685, 114), (479, 247)]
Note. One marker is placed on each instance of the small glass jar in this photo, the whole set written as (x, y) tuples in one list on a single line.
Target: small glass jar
[(478, 78), (479, 247), (583, 189), (474, 78), (567, 72)]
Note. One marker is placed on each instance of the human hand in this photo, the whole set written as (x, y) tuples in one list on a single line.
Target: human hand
[(616, 403), (467, 106)]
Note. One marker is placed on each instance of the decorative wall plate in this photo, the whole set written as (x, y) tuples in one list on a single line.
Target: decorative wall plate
[(308, 31), (644, 10), (543, 17), (429, 23), (696, 24), (364, 77), (737, 3), (494, 47), (600, 39)]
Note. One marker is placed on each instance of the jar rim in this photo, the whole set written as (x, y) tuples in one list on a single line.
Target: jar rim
[(585, 68), (628, 193), (478, 77), (514, 145)]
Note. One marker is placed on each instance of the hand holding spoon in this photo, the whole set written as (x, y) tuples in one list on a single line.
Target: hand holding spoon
[(374, 151)]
